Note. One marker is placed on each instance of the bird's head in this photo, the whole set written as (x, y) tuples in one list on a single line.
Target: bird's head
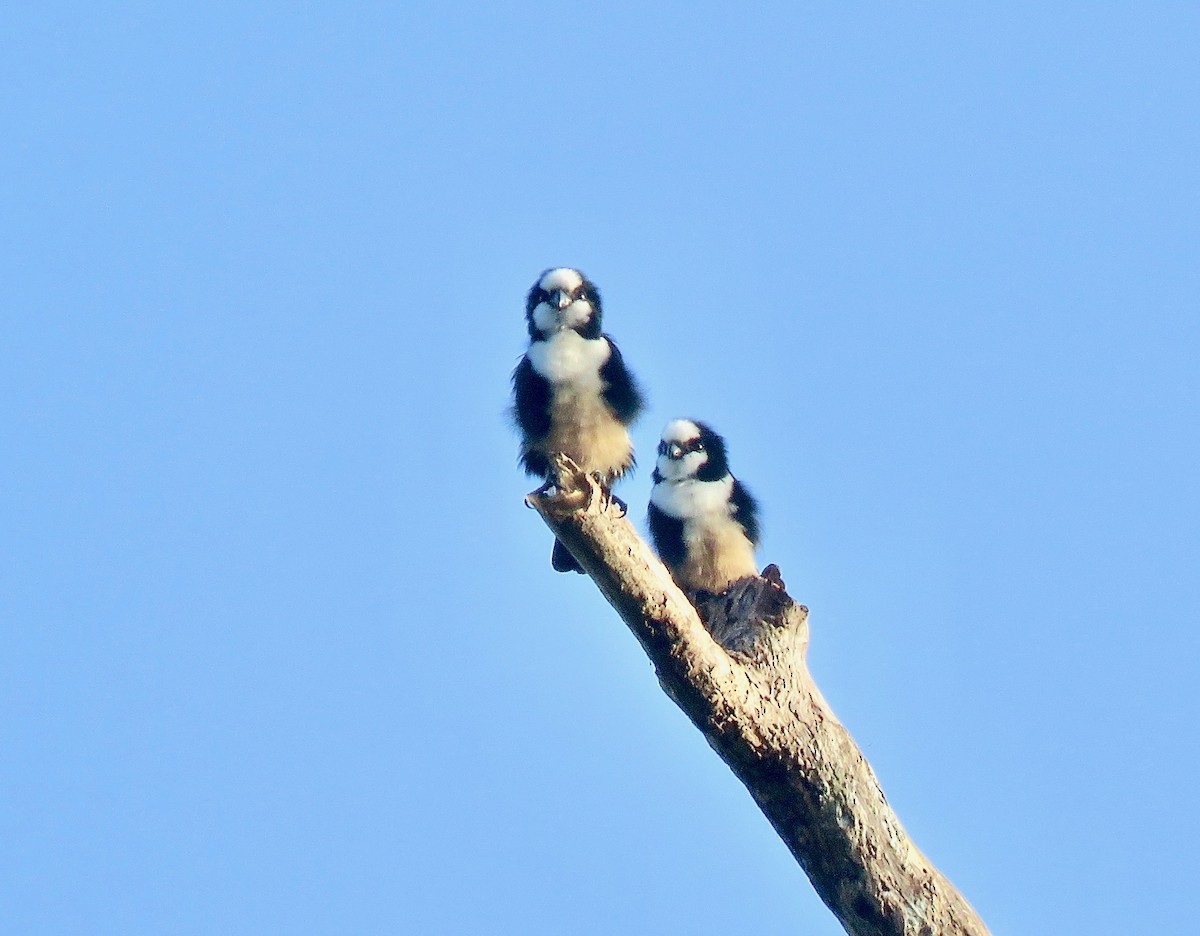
[(690, 449), (563, 299)]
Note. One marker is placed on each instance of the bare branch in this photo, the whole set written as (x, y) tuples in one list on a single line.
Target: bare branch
[(735, 664)]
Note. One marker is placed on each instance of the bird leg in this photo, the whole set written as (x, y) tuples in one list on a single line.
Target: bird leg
[(608, 495)]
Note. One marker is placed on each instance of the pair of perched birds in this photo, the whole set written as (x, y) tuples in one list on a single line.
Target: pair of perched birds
[(573, 394)]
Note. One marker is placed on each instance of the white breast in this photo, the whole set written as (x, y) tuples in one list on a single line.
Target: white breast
[(717, 551), (568, 358), (582, 426), (693, 499)]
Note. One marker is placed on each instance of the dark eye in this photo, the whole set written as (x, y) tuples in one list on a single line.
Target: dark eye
[(695, 446)]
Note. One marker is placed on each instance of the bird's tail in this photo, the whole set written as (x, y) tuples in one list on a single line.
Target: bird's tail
[(562, 560)]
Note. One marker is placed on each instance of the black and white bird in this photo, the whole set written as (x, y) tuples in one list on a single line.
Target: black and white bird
[(703, 521), (572, 392)]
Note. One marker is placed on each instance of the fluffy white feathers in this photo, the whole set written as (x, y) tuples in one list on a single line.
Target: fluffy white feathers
[(689, 498), (569, 358)]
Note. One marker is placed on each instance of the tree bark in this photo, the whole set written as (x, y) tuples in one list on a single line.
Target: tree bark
[(735, 664)]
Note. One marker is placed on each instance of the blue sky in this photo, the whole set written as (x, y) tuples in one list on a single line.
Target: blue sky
[(283, 651)]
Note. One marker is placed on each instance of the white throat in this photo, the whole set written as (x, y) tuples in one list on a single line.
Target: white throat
[(569, 358), (692, 499)]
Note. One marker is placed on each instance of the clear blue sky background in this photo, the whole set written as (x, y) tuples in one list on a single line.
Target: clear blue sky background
[(282, 651)]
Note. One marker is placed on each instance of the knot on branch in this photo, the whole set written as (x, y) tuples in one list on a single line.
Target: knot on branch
[(750, 617)]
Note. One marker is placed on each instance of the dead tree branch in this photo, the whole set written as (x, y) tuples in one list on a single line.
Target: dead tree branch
[(736, 666)]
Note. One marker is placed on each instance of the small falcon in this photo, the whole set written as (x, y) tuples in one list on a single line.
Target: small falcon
[(572, 392), (703, 521)]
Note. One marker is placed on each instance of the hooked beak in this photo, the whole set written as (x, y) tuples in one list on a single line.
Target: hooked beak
[(560, 299), (675, 451)]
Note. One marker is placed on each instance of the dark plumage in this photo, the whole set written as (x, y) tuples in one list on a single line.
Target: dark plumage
[(745, 511), (620, 390), (667, 533), (531, 410)]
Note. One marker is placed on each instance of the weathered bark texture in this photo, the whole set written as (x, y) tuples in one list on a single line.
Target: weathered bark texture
[(736, 665)]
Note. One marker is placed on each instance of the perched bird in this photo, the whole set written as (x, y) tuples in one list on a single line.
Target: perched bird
[(703, 521), (572, 392)]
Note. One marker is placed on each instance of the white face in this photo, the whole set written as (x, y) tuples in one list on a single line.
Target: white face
[(678, 459), (566, 310)]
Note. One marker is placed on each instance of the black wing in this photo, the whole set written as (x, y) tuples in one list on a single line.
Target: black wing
[(667, 533), (745, 510), (531, 413), (621, 392), (531, 401)]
